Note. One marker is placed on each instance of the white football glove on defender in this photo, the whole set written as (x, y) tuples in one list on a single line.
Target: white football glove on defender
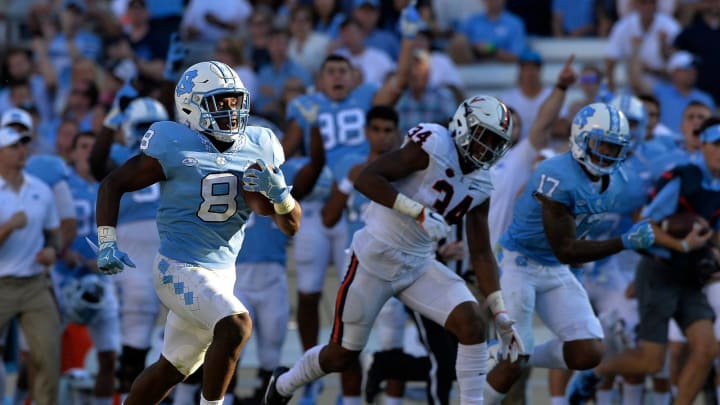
[(434, 224), (511, 345)]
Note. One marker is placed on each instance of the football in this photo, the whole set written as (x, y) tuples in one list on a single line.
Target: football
[(680, 224), (257, 202)]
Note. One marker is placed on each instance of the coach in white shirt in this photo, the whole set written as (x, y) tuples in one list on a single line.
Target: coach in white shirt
[(29, 239)]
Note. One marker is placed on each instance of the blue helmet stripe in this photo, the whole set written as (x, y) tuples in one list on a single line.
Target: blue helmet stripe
[(614, 119)]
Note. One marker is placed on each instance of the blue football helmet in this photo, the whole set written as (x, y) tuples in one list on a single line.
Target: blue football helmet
[(84, 298), (139, 115), (200, 97), (599, 138), (636, 114)]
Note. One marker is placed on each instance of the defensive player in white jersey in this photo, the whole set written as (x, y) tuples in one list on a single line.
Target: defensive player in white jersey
[(137, 228), (201, 161), (438, 175)]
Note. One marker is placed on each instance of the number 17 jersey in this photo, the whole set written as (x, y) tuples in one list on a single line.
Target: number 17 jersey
[(202, 213), (441, 186)]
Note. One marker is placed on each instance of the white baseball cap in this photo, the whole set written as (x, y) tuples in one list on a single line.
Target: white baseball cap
[(681, 60), (9, 136), (16, 116)]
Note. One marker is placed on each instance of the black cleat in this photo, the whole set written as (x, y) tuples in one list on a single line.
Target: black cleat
[(272, 397)]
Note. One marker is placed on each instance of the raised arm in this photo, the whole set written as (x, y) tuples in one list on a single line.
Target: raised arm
[(541, 129)]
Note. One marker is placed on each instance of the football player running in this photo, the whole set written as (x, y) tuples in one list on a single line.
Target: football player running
[(436, 178), (564, 199), (201, 162)]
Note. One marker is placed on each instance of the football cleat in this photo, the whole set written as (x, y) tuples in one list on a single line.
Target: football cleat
[(272, 397)]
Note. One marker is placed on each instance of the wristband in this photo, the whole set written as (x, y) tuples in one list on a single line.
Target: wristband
[(685, 246), (496, 303), (106, 234), (346, 186), (285, 206), (407, 205)]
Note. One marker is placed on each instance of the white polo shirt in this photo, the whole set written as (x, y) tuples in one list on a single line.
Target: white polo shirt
[(17, 253), (619, 45)]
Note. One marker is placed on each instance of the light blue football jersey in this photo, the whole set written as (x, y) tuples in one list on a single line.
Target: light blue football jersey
[(202, 213), (264, 242), (562, 179), (357, 202), (139, 205), (84, 198), (299, 109), (323, 185), (48, 168)]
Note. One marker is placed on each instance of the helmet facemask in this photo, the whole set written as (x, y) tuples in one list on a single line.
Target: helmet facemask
[(603, 151), (223, 114), (480, 145)]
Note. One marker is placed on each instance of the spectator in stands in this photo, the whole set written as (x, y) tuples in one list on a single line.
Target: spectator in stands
[(423, 102), (693, 117), (654, 30), (373, 63), (327, 17), (654, 128), (494, 35), (18, 65), (149, 44), (209, 20), (307, 47), (530, 93), (675, 95), (259, 26), (536, 15), (273, 75), (71, 41), (367, 14), (229, 50), (443, 72), (667, 7), (29, 242), (702, 39), (573, 18), (66, 131), (590, 80)]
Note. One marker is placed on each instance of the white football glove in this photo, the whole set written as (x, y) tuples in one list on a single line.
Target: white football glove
[(434, 224), (511, 345)]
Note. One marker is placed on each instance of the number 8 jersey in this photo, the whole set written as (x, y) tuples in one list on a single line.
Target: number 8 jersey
[(202, 213), (441, 186)]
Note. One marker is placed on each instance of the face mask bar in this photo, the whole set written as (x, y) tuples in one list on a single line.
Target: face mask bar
[(211, 116), (493, 147), (607, 161)]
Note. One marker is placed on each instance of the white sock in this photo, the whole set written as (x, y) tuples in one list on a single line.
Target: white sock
[(632, 394), (492, 396), (393, 400), (558, 401), (302, 372), (204, 401), (604, 397), (352, 400), (228, 399), (549, 355), (471, 368), (662, 398), (185, 394), (102, 400)]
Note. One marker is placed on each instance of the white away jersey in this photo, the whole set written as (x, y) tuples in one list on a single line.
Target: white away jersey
[(441, 186)]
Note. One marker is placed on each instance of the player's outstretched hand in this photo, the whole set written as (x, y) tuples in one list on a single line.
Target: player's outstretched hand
[(434, 224), (639, 236), (269, 181), (112, 260), (176, 54), (511, 346)]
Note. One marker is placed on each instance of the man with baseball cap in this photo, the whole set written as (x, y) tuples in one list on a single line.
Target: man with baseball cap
[(29, 242)]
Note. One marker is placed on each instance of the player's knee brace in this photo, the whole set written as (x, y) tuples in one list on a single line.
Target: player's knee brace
[(132, 363)]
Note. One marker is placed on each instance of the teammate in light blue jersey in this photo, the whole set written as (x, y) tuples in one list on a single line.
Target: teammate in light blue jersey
[(203, 163), (86, 297), (564, 199), (138, 234)]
